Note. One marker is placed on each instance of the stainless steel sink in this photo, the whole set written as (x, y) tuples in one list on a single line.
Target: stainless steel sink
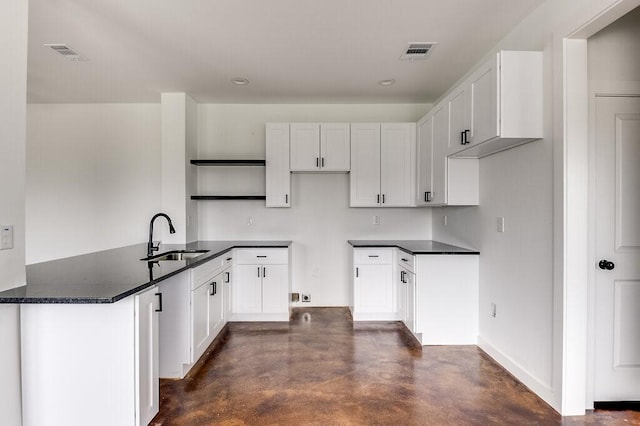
[(175, 255)]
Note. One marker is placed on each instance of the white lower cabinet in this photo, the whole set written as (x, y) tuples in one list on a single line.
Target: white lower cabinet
[(373, 285), (447, 299), (147, 358), (194, 305), (261, 285), (91, 363), (406, 291)]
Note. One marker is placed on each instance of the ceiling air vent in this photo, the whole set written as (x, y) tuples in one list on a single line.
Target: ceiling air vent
[(417, 51), (67, 52)]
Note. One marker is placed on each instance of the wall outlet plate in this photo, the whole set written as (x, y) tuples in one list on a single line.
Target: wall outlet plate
[(6, 237)]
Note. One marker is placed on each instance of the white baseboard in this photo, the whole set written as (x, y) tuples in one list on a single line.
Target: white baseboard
[(537, 386)]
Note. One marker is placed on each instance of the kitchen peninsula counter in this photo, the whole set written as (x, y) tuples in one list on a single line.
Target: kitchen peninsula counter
[(111, 275)]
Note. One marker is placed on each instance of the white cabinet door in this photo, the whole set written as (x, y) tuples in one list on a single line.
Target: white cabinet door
[(439, 163), (305, 147), (247, 289), (200, 331), (410, 306), (146, 356), (373, 289), (275, 289), (459, 128), (402, 294), (365, 165), (424, 156), (216, 310), (335, 147), (227, 289), (484, 102), (277, 174), (397, 173)]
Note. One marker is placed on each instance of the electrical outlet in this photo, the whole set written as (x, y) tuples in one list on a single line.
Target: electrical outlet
[(306, 297), (501, 224), (376, 220), (6, 237), (250, 221), (493, 310), (444, 220)]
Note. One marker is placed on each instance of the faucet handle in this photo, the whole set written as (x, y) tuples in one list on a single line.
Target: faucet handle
[(155, 245)]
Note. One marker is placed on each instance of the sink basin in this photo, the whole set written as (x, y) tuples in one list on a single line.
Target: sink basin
[(176, 255)]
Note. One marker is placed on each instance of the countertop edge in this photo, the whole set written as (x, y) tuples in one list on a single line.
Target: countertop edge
[(399, 244)]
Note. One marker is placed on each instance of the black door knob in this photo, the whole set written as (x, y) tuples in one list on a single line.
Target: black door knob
[(606, 265)]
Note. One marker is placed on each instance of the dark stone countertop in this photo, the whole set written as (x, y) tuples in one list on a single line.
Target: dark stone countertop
[(414, 247), (110, 275)]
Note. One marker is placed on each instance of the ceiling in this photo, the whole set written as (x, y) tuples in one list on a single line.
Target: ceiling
[(291, 51)]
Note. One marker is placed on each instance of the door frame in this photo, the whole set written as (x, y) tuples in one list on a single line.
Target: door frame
[(573, 243)]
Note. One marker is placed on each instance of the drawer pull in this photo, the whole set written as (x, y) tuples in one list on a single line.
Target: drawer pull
[(229, 259), (262, 256), (373, 255), (405, 260)]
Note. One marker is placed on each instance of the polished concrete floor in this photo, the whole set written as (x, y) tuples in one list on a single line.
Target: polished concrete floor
[(320, 369)]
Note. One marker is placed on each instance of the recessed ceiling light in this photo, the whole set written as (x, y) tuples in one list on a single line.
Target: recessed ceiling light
[(240, 81), (387, 82)]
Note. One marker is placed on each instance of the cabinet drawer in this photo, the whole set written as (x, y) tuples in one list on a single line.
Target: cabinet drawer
[(228, 259), (406, 260), (373, 256), (206, 272), (268, 256)]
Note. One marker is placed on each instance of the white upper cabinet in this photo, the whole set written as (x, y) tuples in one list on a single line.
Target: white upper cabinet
[(305, 147), (459, 126), (365, 165), (383, 165), (278, 177), (397, 164), (442, 180), (320, 147), (424, 194), (439, 160), (335, 147), (505, 98)]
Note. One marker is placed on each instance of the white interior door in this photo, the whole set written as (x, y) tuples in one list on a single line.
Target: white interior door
[(617, 282)]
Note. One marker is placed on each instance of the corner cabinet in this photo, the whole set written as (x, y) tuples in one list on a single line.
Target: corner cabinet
[(383, 164), (278, 175), (101, 360), (443, 181), (500, 106)]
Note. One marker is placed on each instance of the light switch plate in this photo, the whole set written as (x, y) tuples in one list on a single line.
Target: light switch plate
[(6, 237)]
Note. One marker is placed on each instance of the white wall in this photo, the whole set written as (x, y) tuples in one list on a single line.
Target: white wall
[(93, 178), (319, 221), (536, 331), (13, 101)]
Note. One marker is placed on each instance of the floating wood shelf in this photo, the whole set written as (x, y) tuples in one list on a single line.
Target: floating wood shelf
[(228, 162), (228, 197)]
